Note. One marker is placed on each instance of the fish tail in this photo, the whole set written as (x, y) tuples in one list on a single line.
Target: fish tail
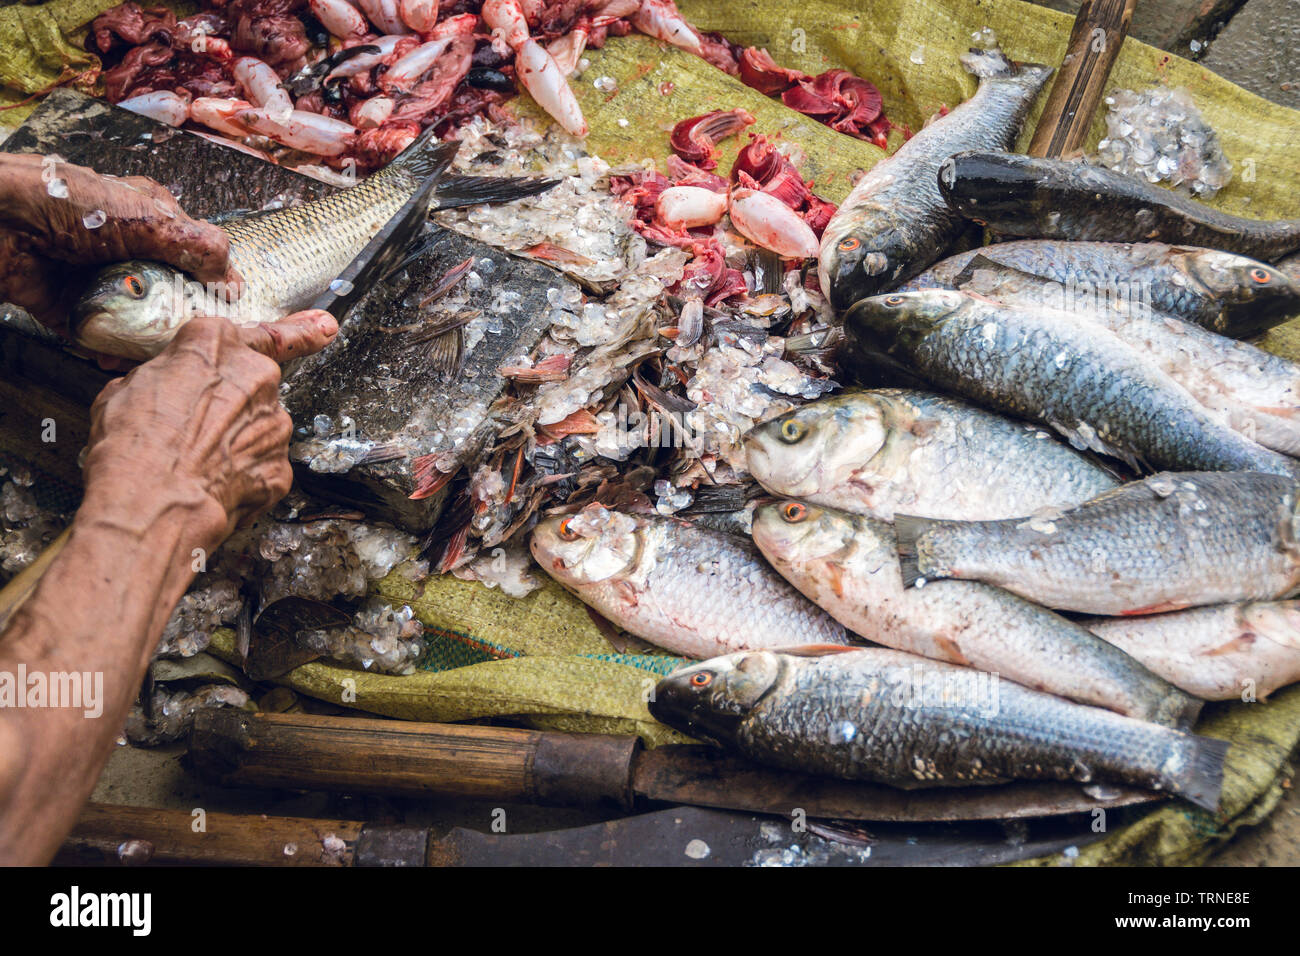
[(1177, 709), (907, 530), (454, 191), (423, 158), (1202, 779), (987, 63)]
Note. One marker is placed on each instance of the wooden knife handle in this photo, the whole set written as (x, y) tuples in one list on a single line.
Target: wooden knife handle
[(401, 758), (1099, 31)]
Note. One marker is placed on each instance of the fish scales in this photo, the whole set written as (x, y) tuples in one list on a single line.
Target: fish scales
[(848, 565), (1222, 292), (1060, 369), (885, 450), (895, 222), (1169, 541), (882, 715)]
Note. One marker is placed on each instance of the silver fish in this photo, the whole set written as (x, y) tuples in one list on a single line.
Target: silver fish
[(878, 714), (1225, 652), (848, 565), (880, 451), (895, 222), (691, 590), (1168, 542)]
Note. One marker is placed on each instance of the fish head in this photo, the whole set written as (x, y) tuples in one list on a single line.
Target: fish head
[(896, 314), (857, 264), (594, 545), (1239, 282), (791, 531), (1279, 621), (131, 309), (711, 699), (817, 447)]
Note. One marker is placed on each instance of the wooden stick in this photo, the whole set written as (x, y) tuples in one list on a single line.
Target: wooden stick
[(1099, 31), (24, 583), (404, 758), (104, 835)]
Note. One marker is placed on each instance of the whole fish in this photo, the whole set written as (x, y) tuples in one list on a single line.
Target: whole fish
[(1220, 291), (879, 714), (1167, 542), (1058, 368), (895, 222), (848, 565), (1225, 652), (690, 590), (885, 450), (1254, 392), (1017, 195), (287, 257)]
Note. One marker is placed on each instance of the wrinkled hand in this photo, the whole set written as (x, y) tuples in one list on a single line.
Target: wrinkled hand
[(204, 416), (43, 235)]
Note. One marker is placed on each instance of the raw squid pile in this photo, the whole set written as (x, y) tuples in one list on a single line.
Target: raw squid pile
[(351, 84)]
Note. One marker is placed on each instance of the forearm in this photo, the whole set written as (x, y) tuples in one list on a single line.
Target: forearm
[(99, 612)]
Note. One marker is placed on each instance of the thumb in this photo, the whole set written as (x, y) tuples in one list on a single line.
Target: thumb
[(303, 333)]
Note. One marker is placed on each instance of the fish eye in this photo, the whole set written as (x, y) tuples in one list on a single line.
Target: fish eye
[(567, 533), (849, 244), (794, 512), (702, 679), (894, 300), (792, 430), (1260, 275), (134, 286)]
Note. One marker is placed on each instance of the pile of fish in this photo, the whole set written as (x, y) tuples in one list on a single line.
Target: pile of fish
[(886, 582), (338, 85)]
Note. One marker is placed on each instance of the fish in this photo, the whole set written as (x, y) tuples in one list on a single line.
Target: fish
[(1017, 195), (688, 589), (848, 565), (1254, 392), (287, 258), (883, 715), (1170, 541), (895, 222), (1221, 292), (1057, 368), (1242, 651), (875, 452)]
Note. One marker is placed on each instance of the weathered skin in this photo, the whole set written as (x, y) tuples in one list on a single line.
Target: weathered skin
[(1017, 195), (287, 258), (1220, 291), (1255, 392), (878, 714), (885, 450), (1225, 652), (1059, 368), (848, 565), (895, 223), (691, 590), (1168, 542)]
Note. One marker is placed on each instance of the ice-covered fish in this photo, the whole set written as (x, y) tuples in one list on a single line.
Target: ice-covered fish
[(287, 257), (848, 565), (1254, 392), (1167, 542), (1220, 291), (1225, 652), (895, 222), (1058, 368), (1017, 195), (691, 590), (879, 714), (879, 451)]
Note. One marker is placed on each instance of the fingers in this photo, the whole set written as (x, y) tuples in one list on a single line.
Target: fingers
[(303, 333)]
